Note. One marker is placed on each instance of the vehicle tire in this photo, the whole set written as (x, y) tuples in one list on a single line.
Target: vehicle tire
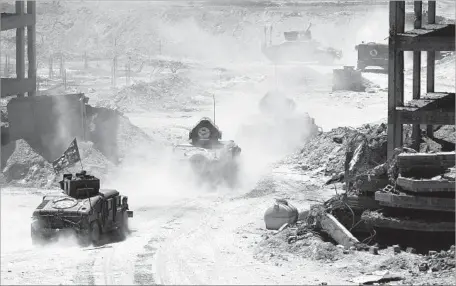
[(37, 239), (123, 230), (94, 233)]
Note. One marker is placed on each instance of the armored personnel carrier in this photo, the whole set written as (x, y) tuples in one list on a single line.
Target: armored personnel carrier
[(213, 161), (82, 209), (300, 47)]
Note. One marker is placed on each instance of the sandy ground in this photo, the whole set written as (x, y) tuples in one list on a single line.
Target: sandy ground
[(185, 235)]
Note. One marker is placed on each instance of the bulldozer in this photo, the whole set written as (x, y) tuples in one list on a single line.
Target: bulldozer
[(212, 160), (81, 209), (299, 46)]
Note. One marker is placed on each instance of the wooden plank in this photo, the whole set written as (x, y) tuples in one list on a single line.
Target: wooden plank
[(415, 202), (31, 46), (15, 21), (14, 86), (337, 231), (409, 224), (425, 186), (441, 159), (395, 75)]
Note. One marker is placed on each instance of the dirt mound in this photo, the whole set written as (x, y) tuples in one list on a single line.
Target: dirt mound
[(113, 133), (169, 92), (27, 168)]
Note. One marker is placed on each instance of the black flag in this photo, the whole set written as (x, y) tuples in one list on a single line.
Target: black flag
[(70, 157)]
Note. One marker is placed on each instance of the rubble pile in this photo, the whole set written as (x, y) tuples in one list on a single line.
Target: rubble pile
[(327, 151), (27, 168), (407, 201), (299, 241), (437, 261)]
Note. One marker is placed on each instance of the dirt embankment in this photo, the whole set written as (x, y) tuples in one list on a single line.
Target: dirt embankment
[(168, 91)]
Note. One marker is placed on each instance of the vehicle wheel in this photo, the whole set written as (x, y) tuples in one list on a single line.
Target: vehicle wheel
[(36, 238), (123, 230), (94, 233)]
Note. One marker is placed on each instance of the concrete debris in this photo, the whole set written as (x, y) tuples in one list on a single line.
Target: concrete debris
[(396, 248), (336, 230), (376, 277), (410, 250), (373, 250)]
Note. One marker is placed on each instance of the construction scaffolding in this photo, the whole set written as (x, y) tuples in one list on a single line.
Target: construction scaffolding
[(24, 17), (434, 108)]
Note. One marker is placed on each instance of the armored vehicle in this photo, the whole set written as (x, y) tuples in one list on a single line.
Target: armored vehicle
[(213, 161), (300, 47), (279, 126), (372, 55), (82, 209), (376, 55)]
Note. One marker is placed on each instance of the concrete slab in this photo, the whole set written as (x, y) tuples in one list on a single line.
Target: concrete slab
[(415, 202), (425, 185)]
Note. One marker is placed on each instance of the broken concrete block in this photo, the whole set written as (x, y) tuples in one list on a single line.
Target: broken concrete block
[(337, 231), (346, 251), (396, 249), (432, 253), (415, 202), (423, 267), (425, 185), (292, 239), (410, 250), (373, 250)]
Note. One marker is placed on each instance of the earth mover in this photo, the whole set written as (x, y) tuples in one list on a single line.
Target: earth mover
[(300, 47), (82, 209), (213, 161)]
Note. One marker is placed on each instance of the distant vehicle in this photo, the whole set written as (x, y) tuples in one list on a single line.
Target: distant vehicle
[(372, 55), (300, 47), (376, 55), (278, 125), (82, 209), (213, 161)]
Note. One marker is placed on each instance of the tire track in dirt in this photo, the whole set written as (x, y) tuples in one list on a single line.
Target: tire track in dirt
[(84, 275)]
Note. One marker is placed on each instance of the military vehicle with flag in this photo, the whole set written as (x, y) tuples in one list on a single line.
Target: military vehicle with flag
[(212, 160), (82, 209)]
